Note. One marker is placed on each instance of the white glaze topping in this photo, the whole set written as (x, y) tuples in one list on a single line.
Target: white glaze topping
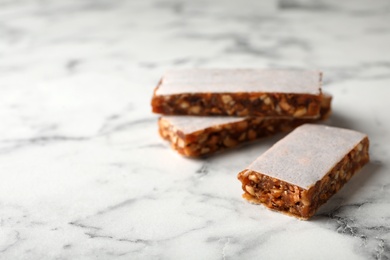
[(308, 153), (240, 80), (191, 124)]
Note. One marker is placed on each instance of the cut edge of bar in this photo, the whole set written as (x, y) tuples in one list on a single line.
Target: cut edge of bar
[(363, 156)]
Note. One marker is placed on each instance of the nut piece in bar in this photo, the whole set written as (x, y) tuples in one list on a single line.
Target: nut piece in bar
[(196, 136), (239, 92), (303, 170)]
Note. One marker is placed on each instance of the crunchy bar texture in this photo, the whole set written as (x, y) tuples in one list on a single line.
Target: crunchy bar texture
[(199, 136), (300, 194), (221, 137), (275, 93)]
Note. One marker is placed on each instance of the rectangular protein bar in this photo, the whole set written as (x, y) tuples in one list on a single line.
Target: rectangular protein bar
[(239, 92), (303, 170), (196, 136)]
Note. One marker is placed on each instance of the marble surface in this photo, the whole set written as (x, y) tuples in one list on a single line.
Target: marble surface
[(84, 174)]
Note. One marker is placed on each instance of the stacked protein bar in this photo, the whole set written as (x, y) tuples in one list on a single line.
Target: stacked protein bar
[(225, 108)]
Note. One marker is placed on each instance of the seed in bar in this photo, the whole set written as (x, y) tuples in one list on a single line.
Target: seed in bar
[(303, 170), (239, 92)]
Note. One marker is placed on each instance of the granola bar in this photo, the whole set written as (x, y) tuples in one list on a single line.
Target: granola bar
[(239, 92), (303, 170)]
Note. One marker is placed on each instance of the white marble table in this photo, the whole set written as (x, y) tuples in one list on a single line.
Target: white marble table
[(84, 174)]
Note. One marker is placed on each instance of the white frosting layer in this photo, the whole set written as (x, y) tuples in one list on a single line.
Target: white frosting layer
[(191, 124), (240, 80), (306, 154)]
